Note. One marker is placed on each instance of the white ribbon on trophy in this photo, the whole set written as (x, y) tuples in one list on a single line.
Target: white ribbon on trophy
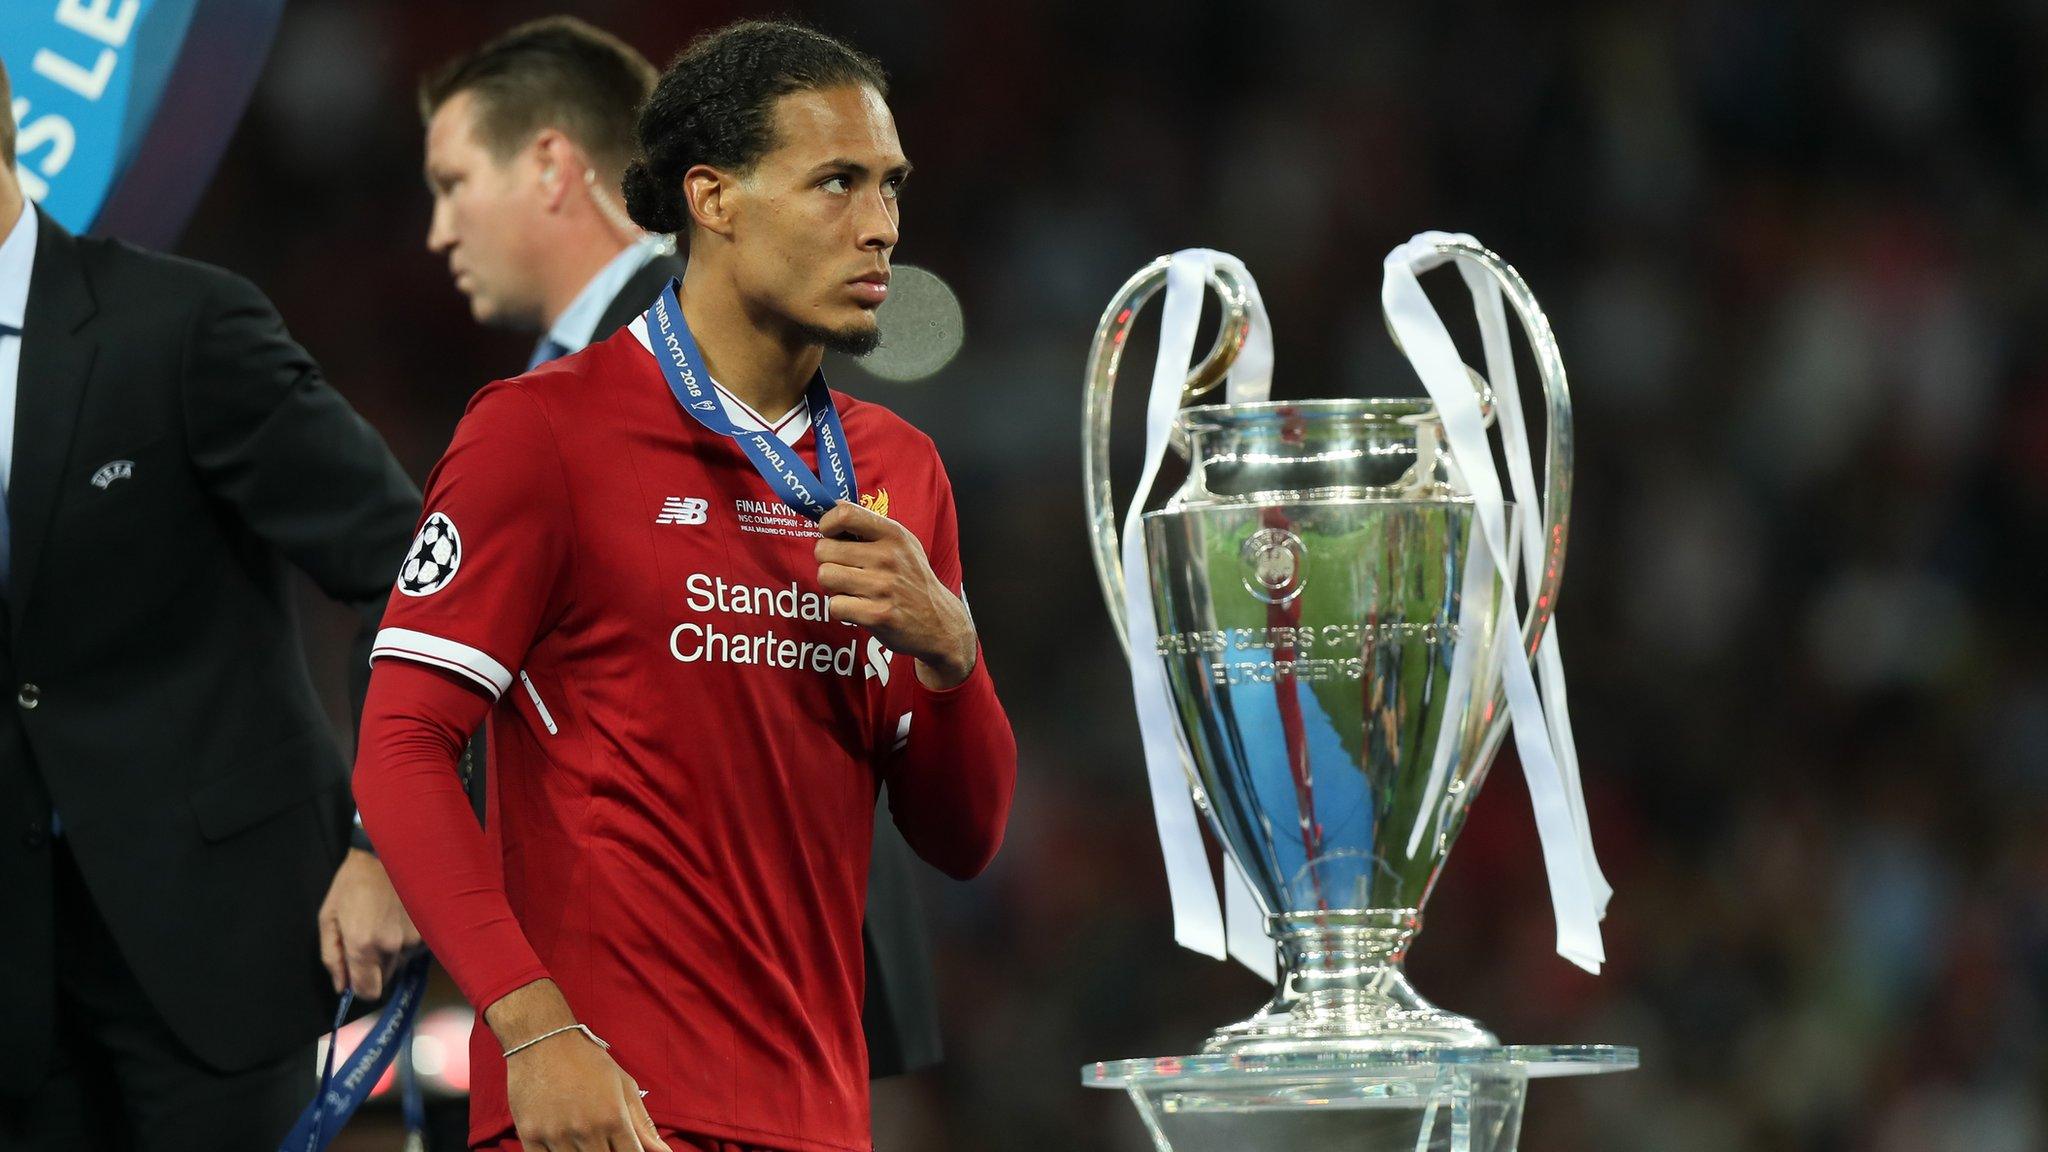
[(1539, 716), (1475, 602), (1198, 923), (1541, 720)]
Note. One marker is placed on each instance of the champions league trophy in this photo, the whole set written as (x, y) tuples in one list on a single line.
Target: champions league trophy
[(1327, 650)]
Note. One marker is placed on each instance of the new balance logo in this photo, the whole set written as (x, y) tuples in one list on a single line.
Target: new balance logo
[(681, 510)]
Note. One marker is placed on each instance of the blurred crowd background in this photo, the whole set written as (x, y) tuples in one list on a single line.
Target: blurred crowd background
[(1797, 258)]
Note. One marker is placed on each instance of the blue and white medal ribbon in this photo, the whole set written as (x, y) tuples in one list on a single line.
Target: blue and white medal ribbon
[(340, 1095), (682, 366)]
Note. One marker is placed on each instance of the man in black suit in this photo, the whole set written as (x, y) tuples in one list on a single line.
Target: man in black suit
[(528, 139), (173, 805)]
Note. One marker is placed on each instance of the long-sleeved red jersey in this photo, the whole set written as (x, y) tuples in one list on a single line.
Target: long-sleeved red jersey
[(685, 748)]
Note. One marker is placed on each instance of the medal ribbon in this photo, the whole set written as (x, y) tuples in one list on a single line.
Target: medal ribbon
[(341, 1094), (800, 488)]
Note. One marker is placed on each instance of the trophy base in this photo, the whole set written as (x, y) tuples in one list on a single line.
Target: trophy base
[(1383, 1013), (1436, 1099), (1342, 991)]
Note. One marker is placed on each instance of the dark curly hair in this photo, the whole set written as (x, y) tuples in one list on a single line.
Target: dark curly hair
[(716, 105)]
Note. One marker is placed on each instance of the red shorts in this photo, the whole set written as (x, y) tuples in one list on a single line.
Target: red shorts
[(678, 1141)]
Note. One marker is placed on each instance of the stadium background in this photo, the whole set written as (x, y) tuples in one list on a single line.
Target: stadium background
[(1796, 258)]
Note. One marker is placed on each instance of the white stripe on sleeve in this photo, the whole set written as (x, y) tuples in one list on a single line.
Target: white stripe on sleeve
[(431, 650)]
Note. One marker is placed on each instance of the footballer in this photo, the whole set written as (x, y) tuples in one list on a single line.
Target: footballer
[(709, 607)]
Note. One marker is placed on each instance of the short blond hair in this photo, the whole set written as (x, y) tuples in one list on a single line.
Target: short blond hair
[(558, 72)]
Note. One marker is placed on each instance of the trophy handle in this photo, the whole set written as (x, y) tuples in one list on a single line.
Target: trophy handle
[(1557, 454), (1104, 356)]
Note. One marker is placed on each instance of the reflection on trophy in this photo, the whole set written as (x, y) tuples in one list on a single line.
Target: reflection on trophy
[(1343, 613)]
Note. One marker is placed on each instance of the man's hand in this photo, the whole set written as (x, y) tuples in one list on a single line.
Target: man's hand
[(876, 573), (566, 1093), (364, 931)]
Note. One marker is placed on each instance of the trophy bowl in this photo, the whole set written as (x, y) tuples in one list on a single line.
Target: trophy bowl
[(1327, 619)]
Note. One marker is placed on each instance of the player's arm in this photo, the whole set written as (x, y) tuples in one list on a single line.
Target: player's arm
[(487, 575), (564, 1089), (482, 578), (416, 720), (951, 780)]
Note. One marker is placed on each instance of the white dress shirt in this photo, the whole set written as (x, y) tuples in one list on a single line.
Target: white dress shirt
[(17, 260), (790, 426), (576, 327)]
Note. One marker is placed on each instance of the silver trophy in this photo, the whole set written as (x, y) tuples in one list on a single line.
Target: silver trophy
[(1330, 622)]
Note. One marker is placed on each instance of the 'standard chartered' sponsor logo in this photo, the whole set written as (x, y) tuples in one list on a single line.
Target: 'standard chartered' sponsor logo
[(709, 593), (701, 641)]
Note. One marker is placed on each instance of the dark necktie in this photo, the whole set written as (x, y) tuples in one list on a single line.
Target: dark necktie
[(548, 349)]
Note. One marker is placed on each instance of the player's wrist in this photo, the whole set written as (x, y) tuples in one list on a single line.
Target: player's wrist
[(949, 672), (528, 1011), (566, 1030)]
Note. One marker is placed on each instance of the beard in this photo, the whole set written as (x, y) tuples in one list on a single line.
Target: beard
[(845, 341)]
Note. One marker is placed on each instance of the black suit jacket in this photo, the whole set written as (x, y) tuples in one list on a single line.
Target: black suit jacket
[(901, 1015), (175, 452)]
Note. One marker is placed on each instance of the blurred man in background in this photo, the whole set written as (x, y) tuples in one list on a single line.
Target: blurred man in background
[(527, 140), (173, 801)]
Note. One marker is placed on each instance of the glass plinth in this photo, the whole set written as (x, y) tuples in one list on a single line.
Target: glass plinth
[(1412, 1100)]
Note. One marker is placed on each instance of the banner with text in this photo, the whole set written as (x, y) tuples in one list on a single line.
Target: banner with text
[(124, 107)]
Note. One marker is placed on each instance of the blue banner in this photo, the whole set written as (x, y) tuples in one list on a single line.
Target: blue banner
[(124, 107)]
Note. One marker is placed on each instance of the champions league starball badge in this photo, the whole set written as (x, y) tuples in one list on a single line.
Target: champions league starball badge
[(433, 558), (1332, 625)]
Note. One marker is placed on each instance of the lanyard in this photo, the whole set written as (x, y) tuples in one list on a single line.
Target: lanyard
[(681, 365), (340, 1095)]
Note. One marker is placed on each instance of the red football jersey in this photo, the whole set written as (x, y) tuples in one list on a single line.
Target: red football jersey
[(685, 747)]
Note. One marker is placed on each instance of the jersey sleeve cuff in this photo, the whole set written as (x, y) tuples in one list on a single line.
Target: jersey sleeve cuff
[(489, 994), (975, 685), (437, 652)]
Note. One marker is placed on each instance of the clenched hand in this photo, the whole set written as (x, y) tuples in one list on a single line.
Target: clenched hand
[(566, 1093), (877, 576), (364, 931)]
